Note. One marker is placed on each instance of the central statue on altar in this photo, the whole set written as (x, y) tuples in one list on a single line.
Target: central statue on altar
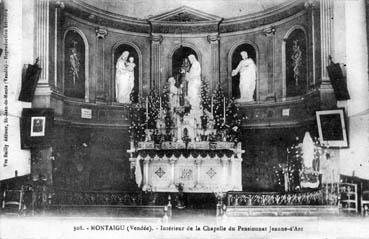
[(193, 77)]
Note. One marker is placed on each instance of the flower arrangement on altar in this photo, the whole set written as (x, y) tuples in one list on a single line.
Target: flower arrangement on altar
[(161, 118)]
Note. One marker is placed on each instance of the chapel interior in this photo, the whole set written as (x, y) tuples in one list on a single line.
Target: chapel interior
[(90, 146)]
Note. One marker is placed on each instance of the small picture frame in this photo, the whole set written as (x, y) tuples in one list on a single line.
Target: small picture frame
[(38, 126), (332, 128)]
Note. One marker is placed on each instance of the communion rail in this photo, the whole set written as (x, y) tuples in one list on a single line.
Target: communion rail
[(315, 202), (95, 203)]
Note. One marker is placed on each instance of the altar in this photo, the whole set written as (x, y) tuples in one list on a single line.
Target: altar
[(203, 167), (189, 141)]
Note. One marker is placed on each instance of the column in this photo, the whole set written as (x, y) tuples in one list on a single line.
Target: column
[(58, 7), (354, 160), (146, 184), (214, 45), (198, 162), (172, 161), (101, 94), (155, 60), (271, 46), (224, 162), (310, 6), (326, 16), (357, 57), (42, 23)]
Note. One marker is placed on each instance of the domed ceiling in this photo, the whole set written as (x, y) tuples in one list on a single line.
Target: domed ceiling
[(144, 9)]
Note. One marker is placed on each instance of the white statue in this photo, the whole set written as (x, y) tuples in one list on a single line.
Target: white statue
[(74, 63), (247, 70), (173, 93), (193, 78), (124, 78), (308, 150), (131, 67)]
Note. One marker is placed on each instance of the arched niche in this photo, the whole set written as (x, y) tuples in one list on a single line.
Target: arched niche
[(234, 60), (178, 53), (134, 52), (295, 62), (178, 57), (75, 70)]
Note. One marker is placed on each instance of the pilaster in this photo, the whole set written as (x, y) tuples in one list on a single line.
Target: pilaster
[(155, 60)]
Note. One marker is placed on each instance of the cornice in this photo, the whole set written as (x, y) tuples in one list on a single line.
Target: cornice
[(159, 24), (266, 17), (104, 18)]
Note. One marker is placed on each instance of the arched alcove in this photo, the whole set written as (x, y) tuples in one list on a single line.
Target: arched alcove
[(178, 57), (133, 52), (74, 65), (235, 60), (295, 62)]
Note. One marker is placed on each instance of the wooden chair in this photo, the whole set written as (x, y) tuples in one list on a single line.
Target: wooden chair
[(365, 203), (12, 201)]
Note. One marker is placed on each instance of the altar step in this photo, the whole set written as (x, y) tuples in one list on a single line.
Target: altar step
[(303, 210)]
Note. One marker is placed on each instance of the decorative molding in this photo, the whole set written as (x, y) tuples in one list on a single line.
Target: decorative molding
[(210, 23), (185, 28), (104, 18), (92, 24), (269, 114), (213, 38), (262, 18), (184, 20), (178, 14), (156, 39), (101, 32), (59, 4), (269, 31), (311, 4)]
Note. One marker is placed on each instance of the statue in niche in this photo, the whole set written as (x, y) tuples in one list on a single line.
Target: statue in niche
[(193, 77), (247, 70), (74, 63), (124, 78), (296, 61)]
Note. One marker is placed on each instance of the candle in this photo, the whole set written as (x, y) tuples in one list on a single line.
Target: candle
[(147, 108), (212, 98), (160, 105), (224, 111)]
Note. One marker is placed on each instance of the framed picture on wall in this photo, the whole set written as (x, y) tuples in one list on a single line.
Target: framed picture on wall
[(36, 127), (332, 128)]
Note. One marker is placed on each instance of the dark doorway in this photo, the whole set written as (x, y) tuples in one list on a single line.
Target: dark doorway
[(236, 58)]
